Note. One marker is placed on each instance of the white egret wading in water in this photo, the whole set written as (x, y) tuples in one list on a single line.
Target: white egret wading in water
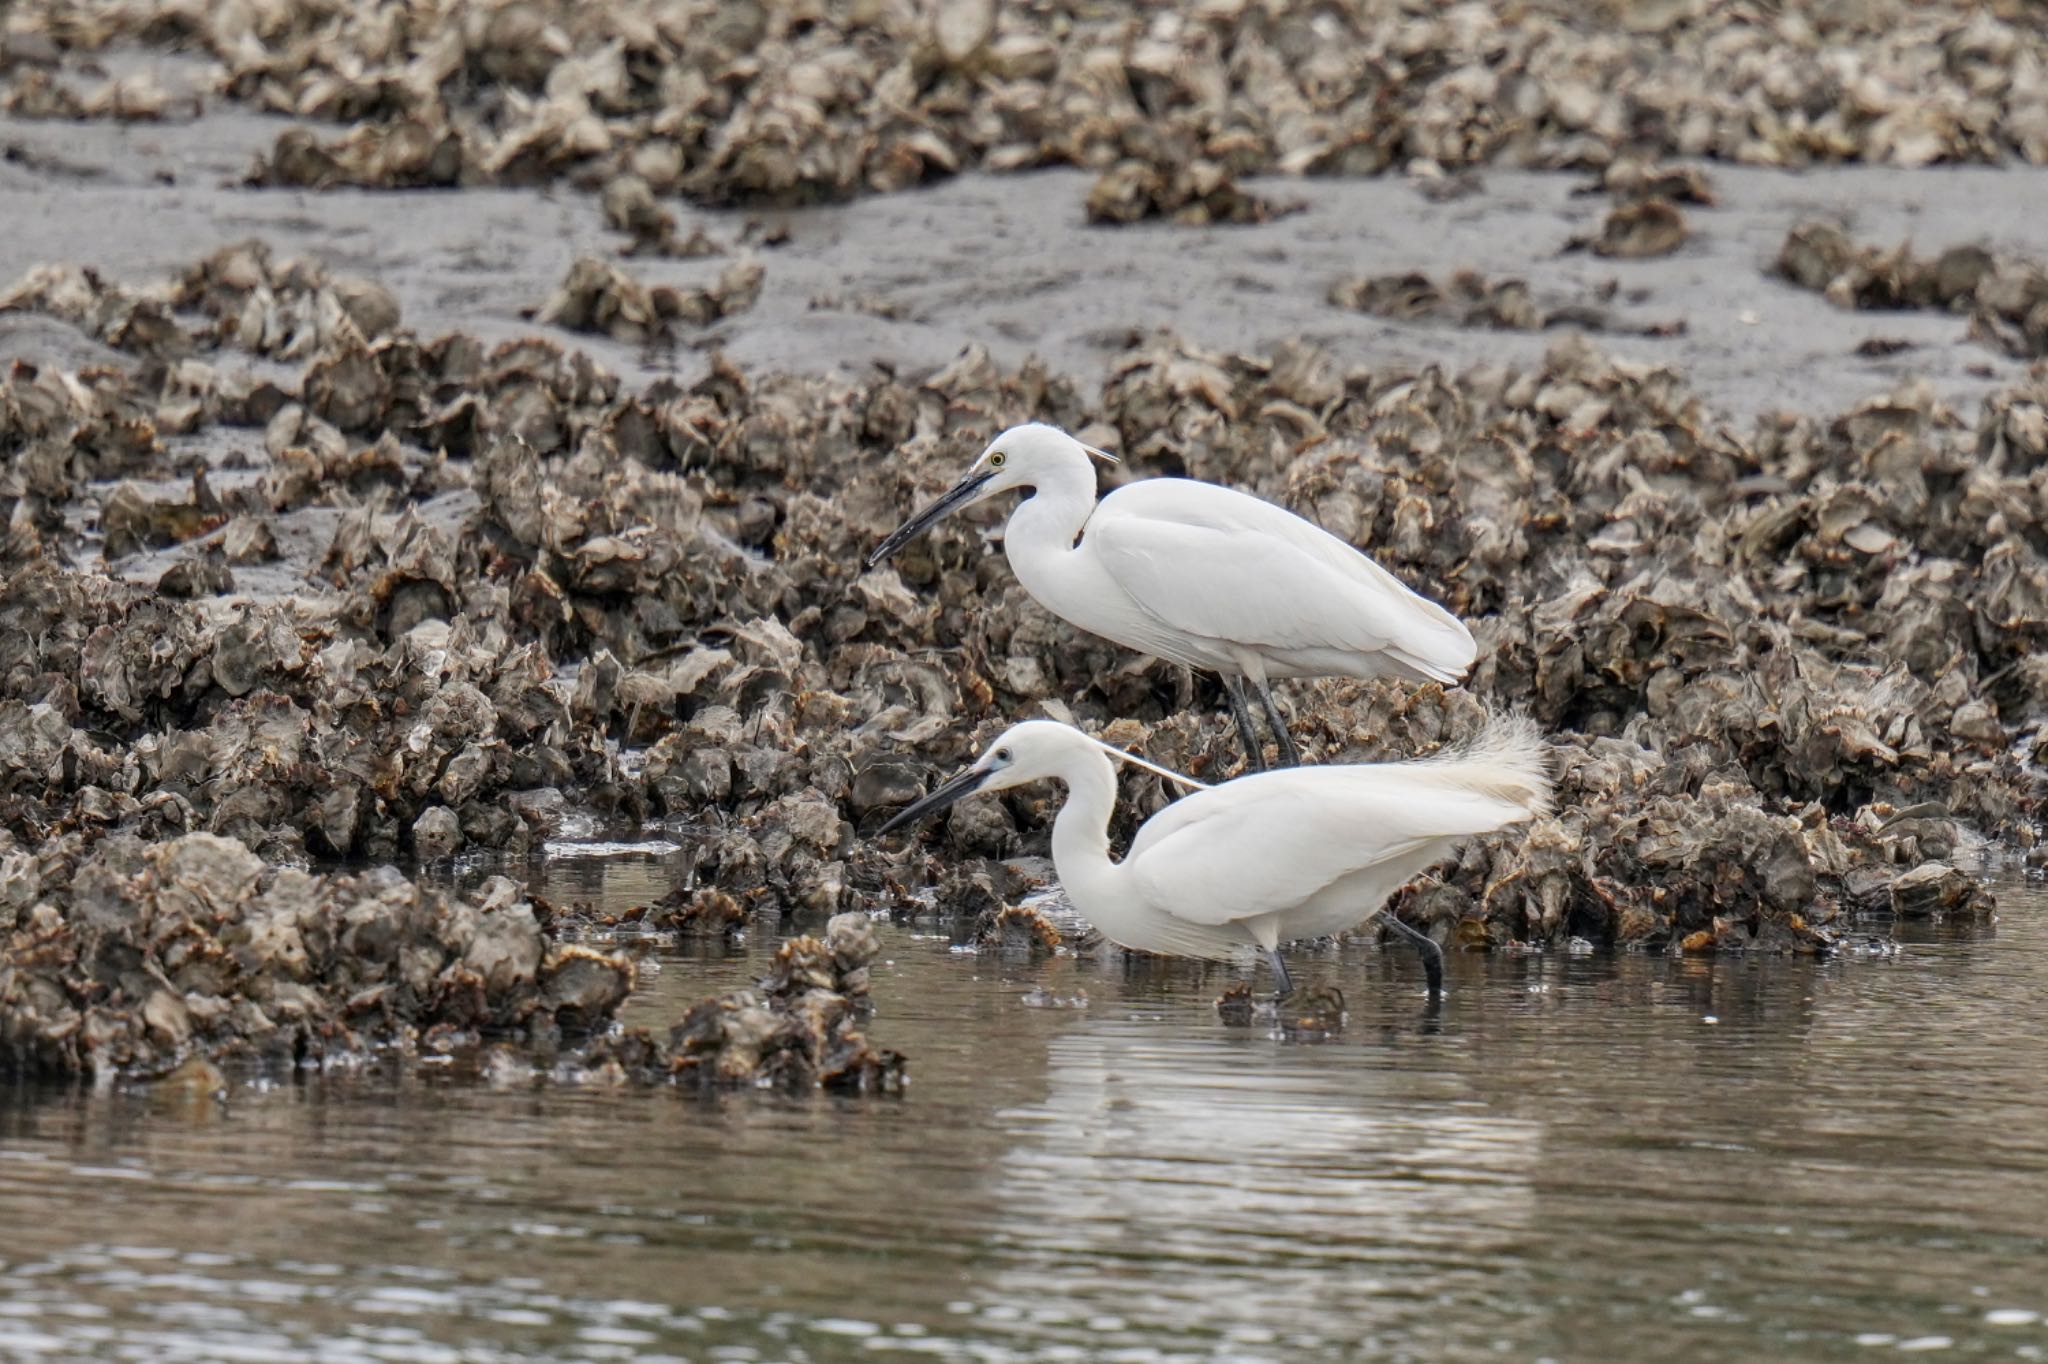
[(1200, 575), (1269, 857)]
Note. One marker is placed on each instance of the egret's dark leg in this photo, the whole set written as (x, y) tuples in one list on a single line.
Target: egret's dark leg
[(617, 761), (1432, 955), (1254, 752), (1281, 980), (1288, 756)]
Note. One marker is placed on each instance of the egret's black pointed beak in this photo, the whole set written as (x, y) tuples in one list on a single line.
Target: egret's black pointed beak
[(958, 495), (938, 798)]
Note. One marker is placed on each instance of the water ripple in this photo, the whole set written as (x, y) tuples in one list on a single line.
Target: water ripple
[(1582, 1157)]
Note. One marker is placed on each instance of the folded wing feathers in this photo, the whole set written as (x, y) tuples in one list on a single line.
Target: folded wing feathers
[(1435, 642), (1439, 669), (1432, 641)]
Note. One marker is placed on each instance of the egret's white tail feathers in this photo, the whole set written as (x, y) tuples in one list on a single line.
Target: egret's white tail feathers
[(1507, 760)]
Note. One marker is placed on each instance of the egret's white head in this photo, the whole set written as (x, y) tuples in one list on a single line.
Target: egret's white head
[(1021, 457), (1030, 751), (1024, 455)]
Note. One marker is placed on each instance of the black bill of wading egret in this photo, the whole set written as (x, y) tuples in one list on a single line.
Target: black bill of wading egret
[(1204, 576), (1302, 852)]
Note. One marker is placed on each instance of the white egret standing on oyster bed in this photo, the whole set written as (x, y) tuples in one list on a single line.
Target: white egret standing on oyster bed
[(1201, 575), (1269, 857)]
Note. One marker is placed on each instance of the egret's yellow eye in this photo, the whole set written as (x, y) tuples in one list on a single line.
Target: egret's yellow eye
[(995, 461)]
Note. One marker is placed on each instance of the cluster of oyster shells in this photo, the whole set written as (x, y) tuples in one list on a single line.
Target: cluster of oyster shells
[(799, 1027), (598, 296), (194, 943), (1777, 639), (1468, 298), (2005, 295), (739, 100)]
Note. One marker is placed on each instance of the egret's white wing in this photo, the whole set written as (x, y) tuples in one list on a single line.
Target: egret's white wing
[(1227, 566), (1271, 841)]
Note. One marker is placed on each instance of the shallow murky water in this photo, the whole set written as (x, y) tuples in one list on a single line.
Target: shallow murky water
[(1580, 1158)]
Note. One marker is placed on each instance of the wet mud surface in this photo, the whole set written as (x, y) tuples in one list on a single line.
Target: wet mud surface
[(366, 525), (908, 279)]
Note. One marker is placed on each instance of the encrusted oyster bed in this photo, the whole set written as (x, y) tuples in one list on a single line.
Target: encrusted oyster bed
[(754, 101), (288, 583)]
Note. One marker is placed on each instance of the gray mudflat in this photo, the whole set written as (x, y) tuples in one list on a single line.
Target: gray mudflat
[(1011, 263)]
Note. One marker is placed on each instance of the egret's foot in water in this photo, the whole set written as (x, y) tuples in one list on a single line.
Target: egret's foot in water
[(1283, 983), (1432, 955)]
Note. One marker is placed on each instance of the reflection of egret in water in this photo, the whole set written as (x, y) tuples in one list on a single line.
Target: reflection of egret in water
[(1225, 1192)]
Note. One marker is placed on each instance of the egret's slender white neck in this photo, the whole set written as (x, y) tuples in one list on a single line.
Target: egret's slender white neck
[(1080, 835), (1039, 539), (1051, 518)]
